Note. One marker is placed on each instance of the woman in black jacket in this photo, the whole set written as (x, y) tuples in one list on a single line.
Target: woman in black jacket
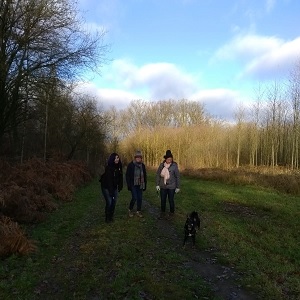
[(111, 184), (136, 179)]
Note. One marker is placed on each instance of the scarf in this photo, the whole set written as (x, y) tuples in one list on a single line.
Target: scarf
[(139, 175), (165, 172)]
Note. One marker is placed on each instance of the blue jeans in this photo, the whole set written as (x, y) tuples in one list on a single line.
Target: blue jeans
[(110, 201), (164, 194), (137, 196)]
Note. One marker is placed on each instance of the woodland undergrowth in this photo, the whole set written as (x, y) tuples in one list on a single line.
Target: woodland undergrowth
[(28, 192)]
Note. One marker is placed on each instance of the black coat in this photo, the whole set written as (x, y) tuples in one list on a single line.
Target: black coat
[(112, 178), (130, 175)]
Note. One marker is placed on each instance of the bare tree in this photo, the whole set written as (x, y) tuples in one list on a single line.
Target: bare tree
[(240, 120), (84, 127), (114, 128), (255, 117), (35, 37), (294, 89), (274, 118), (188, 113)]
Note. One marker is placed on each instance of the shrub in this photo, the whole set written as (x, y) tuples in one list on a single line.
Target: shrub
[(280, 180), (13, 239), (28, 192)]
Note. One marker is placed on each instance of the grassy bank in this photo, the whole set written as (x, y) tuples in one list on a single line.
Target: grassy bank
[(252, 228), (81, 257)]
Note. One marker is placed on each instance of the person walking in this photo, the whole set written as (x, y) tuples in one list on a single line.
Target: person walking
[(111, 184), (136, 179), (167, 183)]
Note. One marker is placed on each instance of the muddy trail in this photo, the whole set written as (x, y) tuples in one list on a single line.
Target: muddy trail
[(81, 260), (222, 280)]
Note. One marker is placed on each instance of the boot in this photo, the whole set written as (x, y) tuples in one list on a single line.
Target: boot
[(139, 214), (107, 219), (130, 214), (170, 216), (162, 215), (111, 217), (112, 212)]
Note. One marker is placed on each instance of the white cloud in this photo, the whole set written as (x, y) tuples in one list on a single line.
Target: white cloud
[(118, 98), (244, 47), (122, 72), (278, 61), (165, 80), (218, 102), (107, 97), (156, 80), (262, 57)]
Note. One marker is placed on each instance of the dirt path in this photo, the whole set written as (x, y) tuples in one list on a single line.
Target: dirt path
[(71, 267), (222, 279)]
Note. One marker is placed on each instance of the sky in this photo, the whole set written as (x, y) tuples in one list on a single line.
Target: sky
[(216, 52)]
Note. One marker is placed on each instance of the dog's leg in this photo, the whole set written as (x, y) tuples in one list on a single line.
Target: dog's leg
[(194, 240), (184, 241)]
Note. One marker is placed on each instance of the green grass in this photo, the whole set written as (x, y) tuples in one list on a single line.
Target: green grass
[(255, 229), (81, 257)]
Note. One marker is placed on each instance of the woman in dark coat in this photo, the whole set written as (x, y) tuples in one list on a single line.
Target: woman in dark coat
[(136, 179), (111, 184), (167, 183)]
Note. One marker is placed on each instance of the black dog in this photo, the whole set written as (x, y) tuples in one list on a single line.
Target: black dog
[(191, 226)]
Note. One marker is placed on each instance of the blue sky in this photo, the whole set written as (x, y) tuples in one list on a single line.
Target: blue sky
[(213, 51)]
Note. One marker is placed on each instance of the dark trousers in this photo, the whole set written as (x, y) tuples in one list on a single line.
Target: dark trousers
[(137, 196), (110, 203), (164, 194)]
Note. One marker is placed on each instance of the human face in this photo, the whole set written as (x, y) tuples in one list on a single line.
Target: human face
[(138, 159), (169, 160), (117, 159)]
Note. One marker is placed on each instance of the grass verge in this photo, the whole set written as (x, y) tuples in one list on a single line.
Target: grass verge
[(81, 257), (255, 229)]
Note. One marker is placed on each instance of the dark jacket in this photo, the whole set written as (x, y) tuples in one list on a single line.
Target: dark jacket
[(112, 178), (174, 180), (130, 175)]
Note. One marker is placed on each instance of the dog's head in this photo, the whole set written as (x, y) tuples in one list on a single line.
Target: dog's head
[(189, 224), (194, 214), (195, 217)]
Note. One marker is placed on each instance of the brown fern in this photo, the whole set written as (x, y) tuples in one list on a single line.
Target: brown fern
[(13, 239)]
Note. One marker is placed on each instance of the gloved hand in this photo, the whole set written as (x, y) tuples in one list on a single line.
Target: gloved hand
[(157, 188), (177, 190)]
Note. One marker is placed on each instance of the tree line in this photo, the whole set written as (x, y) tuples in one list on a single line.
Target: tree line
[(43, 50), (265, 134)]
